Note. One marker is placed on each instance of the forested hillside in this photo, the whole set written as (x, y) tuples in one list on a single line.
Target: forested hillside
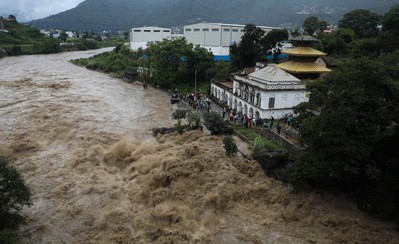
[(125, 14)]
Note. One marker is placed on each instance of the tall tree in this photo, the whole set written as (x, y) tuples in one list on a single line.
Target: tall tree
[(171, 60), (390, 21), (248, 51), (272, 38), (351, 120), (363, 22), (311, 24)]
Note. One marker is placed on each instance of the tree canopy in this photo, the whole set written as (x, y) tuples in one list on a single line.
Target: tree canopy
[(313, 24), (14, 194), (363, 22), (254, 45), (350, 126), (173, 61)]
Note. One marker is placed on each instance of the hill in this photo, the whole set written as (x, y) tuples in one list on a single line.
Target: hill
[(125, 14)]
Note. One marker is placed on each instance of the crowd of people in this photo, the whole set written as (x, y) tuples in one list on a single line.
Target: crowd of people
[(203, 103)]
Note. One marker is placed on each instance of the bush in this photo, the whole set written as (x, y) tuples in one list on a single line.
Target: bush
[(230, 146), (179, 127), (179, 114), (2, 53), (14, 51), (14, 194), (48, 45), (260, 145), (194, 119), (216, 124)]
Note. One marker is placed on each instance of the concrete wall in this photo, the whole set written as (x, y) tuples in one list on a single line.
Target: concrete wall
[(141, 37), (213, 34)]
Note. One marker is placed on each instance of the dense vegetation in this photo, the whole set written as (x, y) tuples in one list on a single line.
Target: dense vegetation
[(351, 123), (14, 194), (117, 61), (21, 39), (124, 14)]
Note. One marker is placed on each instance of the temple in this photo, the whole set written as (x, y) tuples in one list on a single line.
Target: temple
[(302, 59)]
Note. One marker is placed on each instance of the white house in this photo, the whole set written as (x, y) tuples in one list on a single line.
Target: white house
[(216, 37), (142, 37), (267, 92)]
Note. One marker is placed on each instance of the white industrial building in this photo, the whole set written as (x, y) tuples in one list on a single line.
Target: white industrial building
[(269, 91), (142, 37), (216, 37)]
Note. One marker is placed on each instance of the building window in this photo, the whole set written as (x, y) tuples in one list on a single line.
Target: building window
[(137, 30), (147, 30), (157, 30), (242, 30), (235, 30), (205, 29), (215, 29), (226, 30), (166, 31), (196, 29), (252, 96), (271, 102), (188, 29), (258, 99)]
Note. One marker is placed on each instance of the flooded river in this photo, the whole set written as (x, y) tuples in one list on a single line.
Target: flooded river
[(82, 140)]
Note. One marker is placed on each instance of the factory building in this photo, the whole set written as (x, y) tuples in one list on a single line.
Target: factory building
[(142, 37), (216, 37)]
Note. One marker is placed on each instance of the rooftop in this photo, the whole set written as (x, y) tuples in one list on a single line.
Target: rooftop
[(272, 73), (303, 52), (303, 38), (303, 67)]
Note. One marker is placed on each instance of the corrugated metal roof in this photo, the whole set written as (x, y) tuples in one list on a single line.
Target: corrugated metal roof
[(272, 73), (302, 67), (304, 52)]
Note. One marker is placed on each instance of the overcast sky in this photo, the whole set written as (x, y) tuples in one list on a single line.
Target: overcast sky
[(26, 10)]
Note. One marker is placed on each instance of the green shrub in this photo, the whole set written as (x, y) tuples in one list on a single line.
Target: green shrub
[(2, 53), (179, 114), (230, 146), (260, 145), (179, 127), (194, 119), (14, 194), (216, 124)]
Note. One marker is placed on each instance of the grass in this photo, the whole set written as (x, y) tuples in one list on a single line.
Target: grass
[(251, 135)]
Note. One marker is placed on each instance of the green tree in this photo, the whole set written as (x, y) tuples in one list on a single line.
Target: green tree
[(171, 60), (363, 22), (63, 36), (48, 45), (248, 51), (230, 146), (350, 126), (216, 124), (388, 39), (311, 24), (272, 38), (390, 21), (14, 194)]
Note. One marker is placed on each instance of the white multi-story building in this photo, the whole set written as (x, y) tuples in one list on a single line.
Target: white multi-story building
[(142, 37), (216, 37), (267, 92)]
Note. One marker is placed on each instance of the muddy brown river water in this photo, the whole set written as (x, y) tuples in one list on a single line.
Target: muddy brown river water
[(83, 142)]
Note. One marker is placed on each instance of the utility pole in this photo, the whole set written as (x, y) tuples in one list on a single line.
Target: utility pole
[(195, 89)]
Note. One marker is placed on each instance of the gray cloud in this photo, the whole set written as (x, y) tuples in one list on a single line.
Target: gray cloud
[(26, 10)]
